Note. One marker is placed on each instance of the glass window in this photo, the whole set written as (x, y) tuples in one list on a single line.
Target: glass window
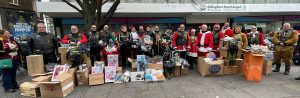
[(259, 1), (283, 1), (271, 1), (223, 1), (294, 1), (248, 1), (160, 1)]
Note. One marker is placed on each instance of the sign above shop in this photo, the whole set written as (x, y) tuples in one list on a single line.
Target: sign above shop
[(221, 7)]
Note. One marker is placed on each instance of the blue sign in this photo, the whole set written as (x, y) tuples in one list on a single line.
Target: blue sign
[(214, 69)]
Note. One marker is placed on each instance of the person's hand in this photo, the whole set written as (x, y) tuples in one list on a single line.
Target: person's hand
[(281, 44), (78, 43), (72, 43)]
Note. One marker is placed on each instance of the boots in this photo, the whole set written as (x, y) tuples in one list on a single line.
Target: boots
[(277, 69), (287, 70)]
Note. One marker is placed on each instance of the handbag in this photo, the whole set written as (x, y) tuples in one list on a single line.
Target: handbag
[(6, 63)]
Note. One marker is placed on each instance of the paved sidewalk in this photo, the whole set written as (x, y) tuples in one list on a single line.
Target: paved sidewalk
[(193, 85)]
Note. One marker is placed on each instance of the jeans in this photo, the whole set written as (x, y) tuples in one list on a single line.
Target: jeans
[(9, 76)]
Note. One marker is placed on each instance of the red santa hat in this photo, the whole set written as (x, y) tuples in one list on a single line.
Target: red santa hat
[(217, 25)]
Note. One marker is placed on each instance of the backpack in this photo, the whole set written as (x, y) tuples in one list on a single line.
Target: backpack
[(75, 56)]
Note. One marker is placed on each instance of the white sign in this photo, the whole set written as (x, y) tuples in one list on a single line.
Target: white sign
[(222, 7)]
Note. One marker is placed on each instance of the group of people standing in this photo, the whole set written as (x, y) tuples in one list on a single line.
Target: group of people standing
[(190, 44)]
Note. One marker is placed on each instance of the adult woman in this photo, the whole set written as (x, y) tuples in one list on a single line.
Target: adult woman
[(8, 50)]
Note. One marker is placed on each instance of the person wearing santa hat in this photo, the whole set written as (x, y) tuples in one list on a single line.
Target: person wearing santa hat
[(255, 37), (193, 51), (226, 29), (181, 41), (218, 36), (205, 41)]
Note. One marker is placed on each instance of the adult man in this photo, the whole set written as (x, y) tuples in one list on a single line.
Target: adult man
[(93, 37), (255, 37), (45, 44), (205, 38), (75, 38), (284, 42), (124, 44), (181, 41), (218, 35), (226, 29), (156, 36)]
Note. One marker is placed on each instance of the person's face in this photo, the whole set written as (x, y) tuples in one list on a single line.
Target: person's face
[(286, 27), (105, 28), (141, 28), (93, 28), (156, 28), (6, 35), (133, 30), (148, 29), (226, 25), (193, 32), (204, 27), (41, 27), (216, 28), (74, 29), (237, 30), (181, 28), (253, 29), (124, 29)]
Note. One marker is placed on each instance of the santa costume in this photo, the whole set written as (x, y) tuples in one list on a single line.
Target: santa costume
[(218, 35), (205, 42), (181, 42), (228, 31)]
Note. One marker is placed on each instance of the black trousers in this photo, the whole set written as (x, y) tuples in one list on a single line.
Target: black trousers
[(95, 54), (125, 53)]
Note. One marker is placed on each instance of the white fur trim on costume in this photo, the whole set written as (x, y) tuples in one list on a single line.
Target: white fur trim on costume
[(202, 49), (193, 54), (203, 37)]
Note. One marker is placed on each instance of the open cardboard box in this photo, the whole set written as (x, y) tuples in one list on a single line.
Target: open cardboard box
[(64, 86), (82, 77), (157, 66), (213, 68)]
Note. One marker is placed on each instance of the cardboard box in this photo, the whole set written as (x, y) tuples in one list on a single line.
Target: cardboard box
[(58, 89), (157, 66), (213, 68), (184, 71), (82, 77), (35, 64), (267, 68), (224, 52), (63, 50), (96, 79), (30, 89), (200, 62), (119, 70), (231, 70), (63, 59), (239, 63), (42, 78), (133, 63), (177, 71)]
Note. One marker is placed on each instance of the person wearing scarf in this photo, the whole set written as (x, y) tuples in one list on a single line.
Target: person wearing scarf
[(226, 29), (181, 41), (255, 37), (193, 52), (9, 50), (218, 36), (236, 45)]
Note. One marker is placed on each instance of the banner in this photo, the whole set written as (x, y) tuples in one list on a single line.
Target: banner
[(20, 23)]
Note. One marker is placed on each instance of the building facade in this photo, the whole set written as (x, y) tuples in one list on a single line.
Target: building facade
[(267, 15)]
